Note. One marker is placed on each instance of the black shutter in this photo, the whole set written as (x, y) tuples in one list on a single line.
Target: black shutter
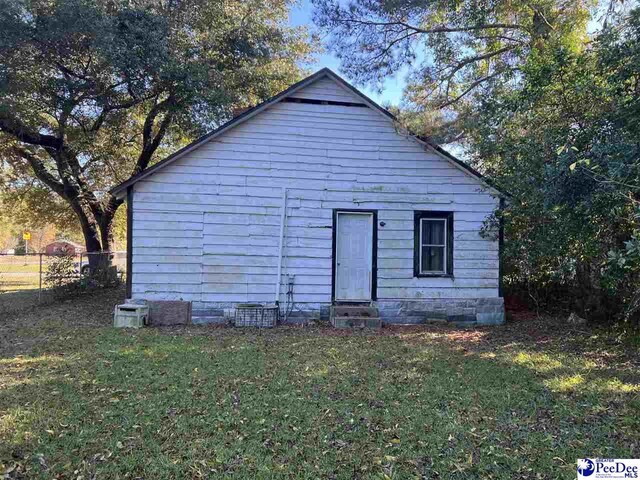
[(416, 243), (417, 216), (450, 244)]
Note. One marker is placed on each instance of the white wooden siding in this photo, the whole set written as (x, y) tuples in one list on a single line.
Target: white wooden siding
[(326, 89), (206, 227)]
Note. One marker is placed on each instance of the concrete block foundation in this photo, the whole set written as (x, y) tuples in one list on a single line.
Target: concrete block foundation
[(468, 311), (463, 312)]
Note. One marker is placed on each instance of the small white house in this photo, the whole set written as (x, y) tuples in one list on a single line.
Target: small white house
[(317, 193)]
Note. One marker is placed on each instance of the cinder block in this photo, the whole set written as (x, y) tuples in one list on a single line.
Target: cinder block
[(490, 318), (130, 315), (207, 319), (373, 323), (439, 320)]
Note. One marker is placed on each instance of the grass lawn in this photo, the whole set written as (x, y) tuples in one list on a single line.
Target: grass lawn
[(18, 266), (18, 274), (79, 399)]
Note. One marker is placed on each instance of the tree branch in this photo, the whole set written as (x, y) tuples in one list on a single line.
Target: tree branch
[(466, 61), (150, 145), (391, 44), (162, 130), (445, 29), (110, 108), (14, 127), (40, 170), (503, 37), (472, 86), (436, 29)]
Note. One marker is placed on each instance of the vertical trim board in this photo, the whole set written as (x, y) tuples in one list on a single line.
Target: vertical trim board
[(129, 281)]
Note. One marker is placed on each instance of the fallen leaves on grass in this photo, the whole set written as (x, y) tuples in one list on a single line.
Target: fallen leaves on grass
[(80, 399)]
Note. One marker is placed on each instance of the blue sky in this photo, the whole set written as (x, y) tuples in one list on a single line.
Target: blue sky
[(392, 91)]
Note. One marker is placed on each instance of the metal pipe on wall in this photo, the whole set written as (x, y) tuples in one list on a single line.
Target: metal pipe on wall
[(283, 220)]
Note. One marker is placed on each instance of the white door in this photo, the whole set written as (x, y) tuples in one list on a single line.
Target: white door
[(354, 244)]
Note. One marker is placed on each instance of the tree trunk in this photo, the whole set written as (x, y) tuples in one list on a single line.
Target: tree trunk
[(105, 222), (93, 238), (590, 298), (89, 228), (106, 233)]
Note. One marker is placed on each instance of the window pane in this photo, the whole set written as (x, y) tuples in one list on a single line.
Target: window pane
[(433, 232), (432, 259)]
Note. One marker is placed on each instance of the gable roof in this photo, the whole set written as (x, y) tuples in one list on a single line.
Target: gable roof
[(325, 72)]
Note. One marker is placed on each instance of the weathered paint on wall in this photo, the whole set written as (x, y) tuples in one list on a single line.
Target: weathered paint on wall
[(207, 226)]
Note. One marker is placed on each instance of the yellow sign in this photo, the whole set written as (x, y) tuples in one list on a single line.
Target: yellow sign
[(26, 236)]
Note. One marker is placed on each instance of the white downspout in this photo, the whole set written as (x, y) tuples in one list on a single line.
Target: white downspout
[(283, 220)]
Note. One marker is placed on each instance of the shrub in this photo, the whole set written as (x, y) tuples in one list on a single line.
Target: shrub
[(62, 275)]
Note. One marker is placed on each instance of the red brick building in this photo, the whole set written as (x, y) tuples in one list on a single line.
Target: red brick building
[(62, 247)]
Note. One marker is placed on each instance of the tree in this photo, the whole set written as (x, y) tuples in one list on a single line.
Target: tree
[(93, 91), (27, 203), (8, 234), (455, 53), (565, 145)]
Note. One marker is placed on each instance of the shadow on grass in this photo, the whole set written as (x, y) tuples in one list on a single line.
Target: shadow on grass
[(15, 301), (53, 326)]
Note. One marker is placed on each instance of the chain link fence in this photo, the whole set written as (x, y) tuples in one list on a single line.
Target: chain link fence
[(26, 280)]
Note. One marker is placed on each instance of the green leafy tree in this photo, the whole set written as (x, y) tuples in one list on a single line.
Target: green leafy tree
[(455, 53), (566, 146), (93, 91)]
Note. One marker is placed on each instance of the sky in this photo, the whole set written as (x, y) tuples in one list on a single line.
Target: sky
[(302, 14)]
